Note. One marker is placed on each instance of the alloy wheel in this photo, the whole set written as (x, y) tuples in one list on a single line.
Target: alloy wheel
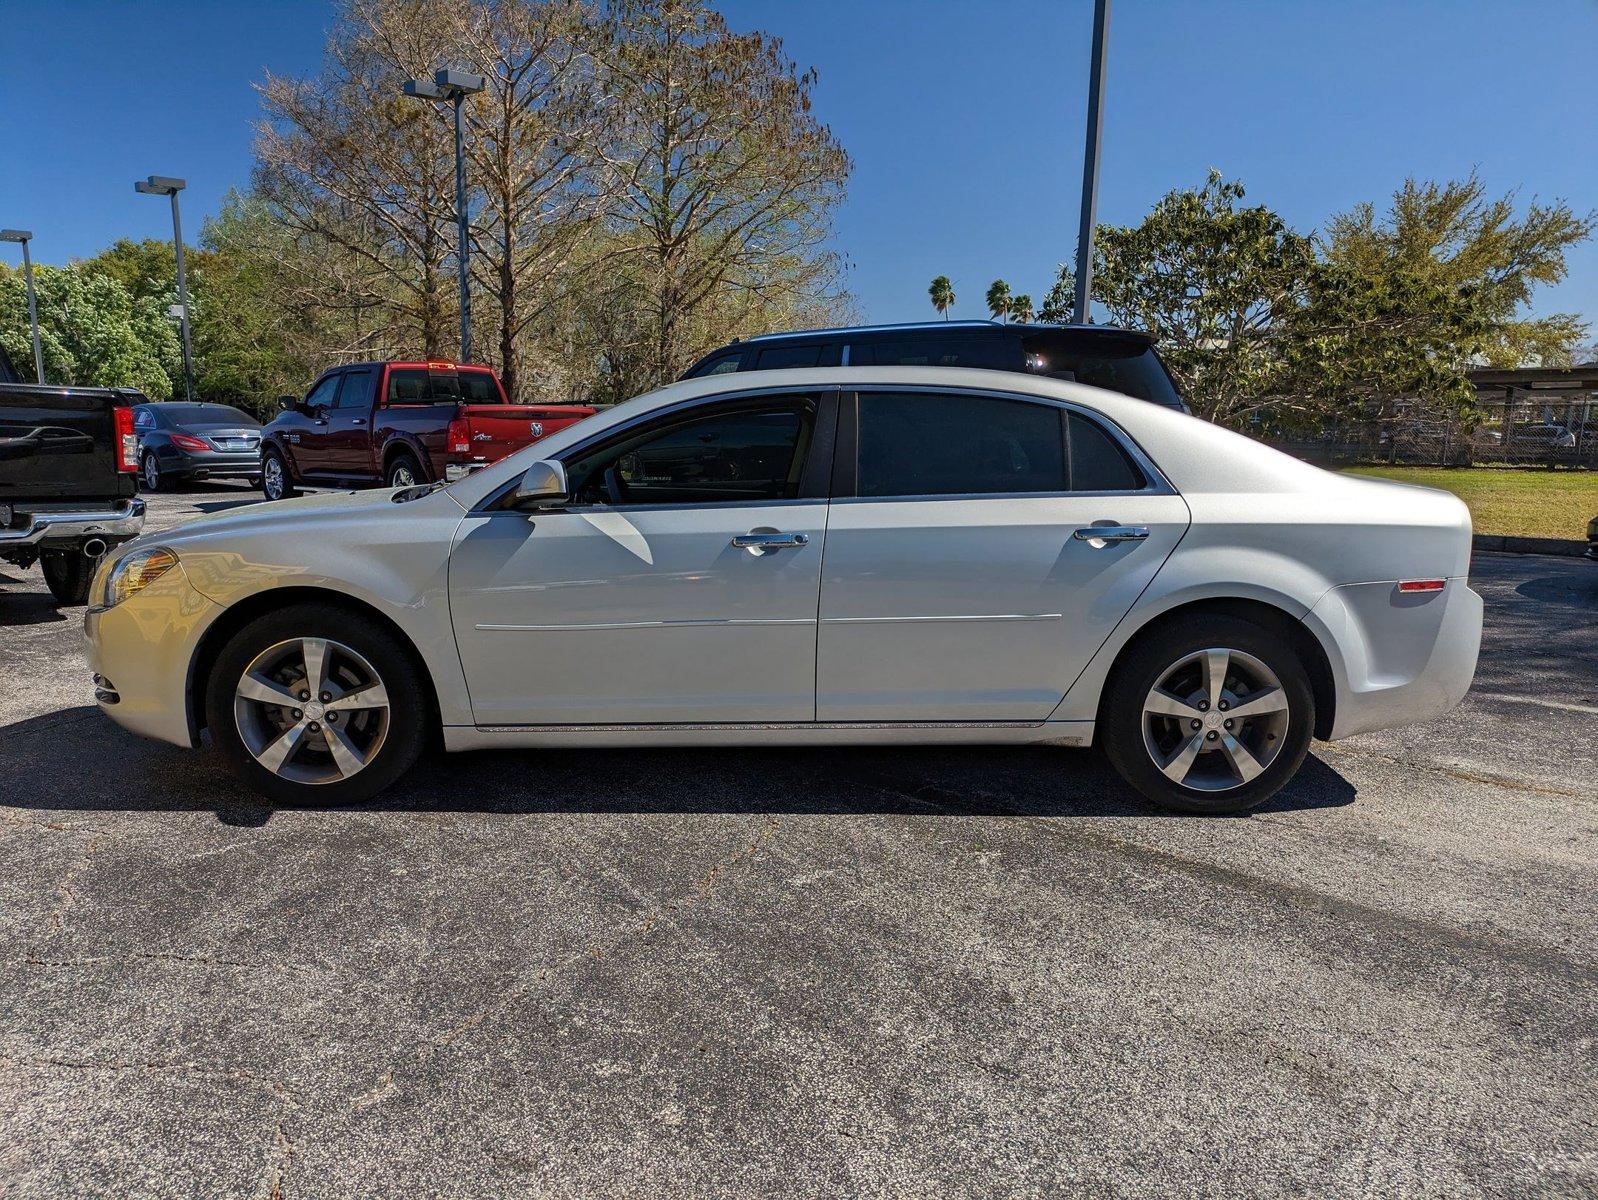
[(272, 478), (311, 710), (152, 473), (401, 477), (1215, 720)]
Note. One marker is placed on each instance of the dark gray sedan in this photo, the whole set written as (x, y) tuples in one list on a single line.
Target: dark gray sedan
[(196, 441)]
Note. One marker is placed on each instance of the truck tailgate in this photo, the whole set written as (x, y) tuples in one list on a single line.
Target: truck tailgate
[(59, 444), (501, 429)]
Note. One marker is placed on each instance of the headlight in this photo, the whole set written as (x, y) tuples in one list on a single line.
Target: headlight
[(136, 572)]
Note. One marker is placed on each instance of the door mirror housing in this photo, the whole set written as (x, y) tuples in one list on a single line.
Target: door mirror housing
[(542, 485), (285, 403)]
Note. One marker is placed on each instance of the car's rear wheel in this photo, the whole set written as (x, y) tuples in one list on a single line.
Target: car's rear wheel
[(276, 482), (1209, 715), (404, 471), (67, 573), (314, 704), (150, 472)]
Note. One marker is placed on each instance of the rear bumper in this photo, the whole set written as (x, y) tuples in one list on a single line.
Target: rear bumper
[(1397, 659), (207, 466), (113, 522)]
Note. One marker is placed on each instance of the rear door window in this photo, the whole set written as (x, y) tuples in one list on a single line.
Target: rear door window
[(357, 390), (950, 444), (409, 385), (778, 357)]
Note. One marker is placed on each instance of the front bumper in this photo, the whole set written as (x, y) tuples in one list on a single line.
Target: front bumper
[(1397, 659), (142, 652), (114, 522)]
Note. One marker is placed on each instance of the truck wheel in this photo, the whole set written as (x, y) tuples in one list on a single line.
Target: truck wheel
[(404, 471), (314, 704), (1210, 716), (67, 573), (150, 472), (276, 482)]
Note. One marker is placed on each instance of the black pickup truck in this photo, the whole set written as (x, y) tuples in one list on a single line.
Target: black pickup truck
[(68, 474)]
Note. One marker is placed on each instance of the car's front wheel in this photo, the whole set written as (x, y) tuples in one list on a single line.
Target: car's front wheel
[(1208, 715), (315, 704), (276, 482)]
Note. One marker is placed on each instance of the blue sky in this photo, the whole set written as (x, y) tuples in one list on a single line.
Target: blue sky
[(963, 118)]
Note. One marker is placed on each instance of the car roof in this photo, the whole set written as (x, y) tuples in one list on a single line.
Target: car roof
[(952, 328)]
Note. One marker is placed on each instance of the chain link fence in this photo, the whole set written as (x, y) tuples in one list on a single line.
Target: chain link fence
[(1552, 424)]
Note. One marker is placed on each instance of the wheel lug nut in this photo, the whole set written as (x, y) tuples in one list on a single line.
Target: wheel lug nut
[(1204, 706), (1223, 705), (298, 714), (305, 695), (1228, 722), (1197, 723), (1209, 736), (315, 727), (326, 696)]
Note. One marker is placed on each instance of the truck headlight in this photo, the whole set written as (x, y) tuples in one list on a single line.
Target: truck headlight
[(135, 572)]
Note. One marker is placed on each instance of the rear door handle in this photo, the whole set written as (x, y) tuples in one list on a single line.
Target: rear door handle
[(1101, 534), (764, 543)]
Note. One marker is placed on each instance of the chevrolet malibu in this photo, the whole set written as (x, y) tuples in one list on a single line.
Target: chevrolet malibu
[(861, 555)]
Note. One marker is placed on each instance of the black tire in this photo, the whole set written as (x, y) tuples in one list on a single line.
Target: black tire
[(67, 573), (1147, 662), (150, 478), (408, 712), (405, 471), (278, 484)]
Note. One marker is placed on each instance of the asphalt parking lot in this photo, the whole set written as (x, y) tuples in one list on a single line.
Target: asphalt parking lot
[(965, 972)]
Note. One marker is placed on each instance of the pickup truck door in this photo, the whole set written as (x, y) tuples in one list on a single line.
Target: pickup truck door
[(348, 434), (306, 432)]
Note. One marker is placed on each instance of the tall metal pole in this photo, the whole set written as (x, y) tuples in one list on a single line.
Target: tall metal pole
[(1090, 165), (183, 301), (33, 312), (460, 218)]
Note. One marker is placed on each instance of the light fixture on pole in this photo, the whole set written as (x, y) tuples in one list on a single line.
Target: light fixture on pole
[(452, 86), (1090, 166), (165, 185), (25, 236)]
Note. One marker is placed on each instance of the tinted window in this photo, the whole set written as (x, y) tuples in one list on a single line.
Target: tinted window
[(744, 455), (357, 390), (995, 353), (478, 387), (1124, 365), (143, 418), (926, 444), (410, 386), (205, 414), (723, 366), (1096, 463), (778, 357), (322, 394)]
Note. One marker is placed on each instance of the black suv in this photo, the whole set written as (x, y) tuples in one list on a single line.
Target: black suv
[(1119, 360)]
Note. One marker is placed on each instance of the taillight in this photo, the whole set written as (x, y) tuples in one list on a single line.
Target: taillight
[(127, 444), (459, 436), (193, 444)]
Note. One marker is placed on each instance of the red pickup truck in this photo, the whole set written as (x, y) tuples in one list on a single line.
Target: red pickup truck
[(399, 423)]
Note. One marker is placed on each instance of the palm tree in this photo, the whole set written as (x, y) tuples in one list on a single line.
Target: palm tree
[(1021, 308), (942, 293), (999, 299)]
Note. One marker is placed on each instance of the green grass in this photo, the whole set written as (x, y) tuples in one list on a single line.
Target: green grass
[(1533, 502)]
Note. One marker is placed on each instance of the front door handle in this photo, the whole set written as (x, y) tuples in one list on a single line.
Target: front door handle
[(1101, 535), (358, 421), (764, 543)]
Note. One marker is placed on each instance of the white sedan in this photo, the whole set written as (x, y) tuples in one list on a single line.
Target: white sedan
[(852, 555)]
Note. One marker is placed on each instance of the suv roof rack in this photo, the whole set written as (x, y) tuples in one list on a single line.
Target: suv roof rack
[(911, 326)]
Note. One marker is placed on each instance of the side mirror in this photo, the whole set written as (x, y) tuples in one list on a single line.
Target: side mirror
[(285, 403), (543, 485)]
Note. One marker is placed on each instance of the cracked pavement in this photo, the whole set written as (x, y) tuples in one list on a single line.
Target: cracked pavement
[(960, 972)]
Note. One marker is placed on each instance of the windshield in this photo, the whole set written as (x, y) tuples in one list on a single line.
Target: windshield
[(1117, 364)]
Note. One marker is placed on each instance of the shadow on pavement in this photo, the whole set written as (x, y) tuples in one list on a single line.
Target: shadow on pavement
[(27, 608), (51, 770)]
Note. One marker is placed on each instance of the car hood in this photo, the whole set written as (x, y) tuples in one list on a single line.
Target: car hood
[(299, 517)]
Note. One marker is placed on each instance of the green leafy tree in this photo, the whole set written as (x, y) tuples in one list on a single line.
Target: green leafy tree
[(1021, 308), (999, 299), (89, 329), (942, 294)]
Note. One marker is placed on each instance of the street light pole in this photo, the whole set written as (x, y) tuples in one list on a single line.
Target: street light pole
[(163, 185), (454, 86), (1090, 166), (25, 236)]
